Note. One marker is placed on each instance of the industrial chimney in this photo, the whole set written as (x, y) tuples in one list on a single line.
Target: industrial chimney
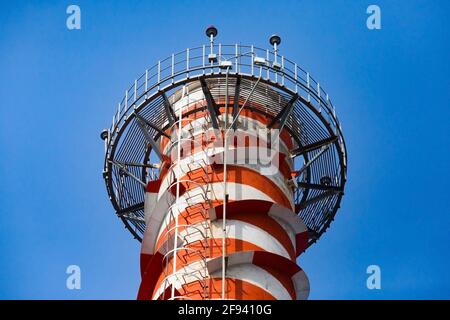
[(227, 162)]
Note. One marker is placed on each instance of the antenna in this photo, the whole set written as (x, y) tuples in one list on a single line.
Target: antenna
[(275, 41), (211, 33)]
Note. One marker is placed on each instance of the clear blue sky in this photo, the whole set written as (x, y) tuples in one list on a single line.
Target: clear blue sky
[(59, 88)]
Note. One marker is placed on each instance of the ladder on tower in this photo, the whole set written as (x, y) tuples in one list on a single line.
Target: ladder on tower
[(192, 239)]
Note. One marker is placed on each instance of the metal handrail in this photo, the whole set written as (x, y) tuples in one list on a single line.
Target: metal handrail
[(174, 127), (173, 175), (172, 251), (175, 143), (176, 204), (170, 210), (193, 62), (202, 281), (189, 132), (186, 226), (188, 181), (169, 229)]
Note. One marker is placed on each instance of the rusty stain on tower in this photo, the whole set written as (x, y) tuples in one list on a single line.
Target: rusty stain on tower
[(227, 162)]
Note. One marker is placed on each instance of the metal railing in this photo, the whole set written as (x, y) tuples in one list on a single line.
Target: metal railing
[(242, 59), (149, 94)]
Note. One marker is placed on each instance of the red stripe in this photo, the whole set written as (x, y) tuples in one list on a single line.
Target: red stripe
[(260, 219), (150, 275), (301, 242), (271, 260), (236, 289), (240, 175), (153, 186), (202, 113), (213, 249)]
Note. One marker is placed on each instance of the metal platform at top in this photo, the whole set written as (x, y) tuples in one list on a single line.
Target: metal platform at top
[(312, 123)]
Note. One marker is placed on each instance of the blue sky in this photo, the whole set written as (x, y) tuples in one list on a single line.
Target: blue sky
[(59, 88)]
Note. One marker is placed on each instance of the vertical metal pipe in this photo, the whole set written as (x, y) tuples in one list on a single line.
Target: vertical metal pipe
[(275, 52), (308, 86), (236, 58), (146, 82), (211, 42), (253, 60), (187, 61), (172, 71), (318, 94), (177, 199), (203, 57), (225, 196), (296, 77), (172, 67), (159, 72)]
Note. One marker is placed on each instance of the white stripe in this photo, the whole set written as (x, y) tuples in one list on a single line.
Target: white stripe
[(246, 125), (154, 215), (301, 284), (236, 229), (289, 231), (289, 217), (189, 273), (236, 192), (258, 277), (248, 232), (189, 99), (247, 272), (200, 159), (290, 222)]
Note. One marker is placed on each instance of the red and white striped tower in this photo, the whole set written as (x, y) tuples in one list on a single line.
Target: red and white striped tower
[(239, 173)]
